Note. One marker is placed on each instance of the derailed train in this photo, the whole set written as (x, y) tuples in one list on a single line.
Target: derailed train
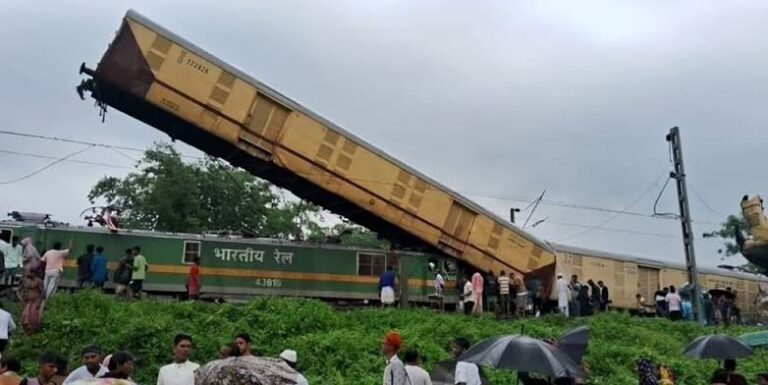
[(163, 80), (241, 268)]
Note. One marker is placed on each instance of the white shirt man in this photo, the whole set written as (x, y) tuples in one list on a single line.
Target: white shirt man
[(181, 371), (674, 302), (416, 374), (12, 254), (6, 326), (92, 367), (177, 373), (563, 292), (394, 373), (290, 358), (439, 284), (467, 374)]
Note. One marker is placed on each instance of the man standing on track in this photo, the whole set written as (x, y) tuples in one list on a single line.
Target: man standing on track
[(84, 267), (504, 292), (139, 272), (12, 253), (477, 291), (575, 287), (387, 286), (54, 266), (562, 295)]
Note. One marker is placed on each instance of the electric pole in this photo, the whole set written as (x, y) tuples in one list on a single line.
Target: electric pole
[(685, 219)]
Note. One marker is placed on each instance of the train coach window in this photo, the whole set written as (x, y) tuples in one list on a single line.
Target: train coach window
[(450, 266), (6, 235), (191, 251), (370, 264), (433, 264)]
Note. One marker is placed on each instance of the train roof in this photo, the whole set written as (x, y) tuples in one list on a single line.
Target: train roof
[(201, 237), (643, 261), (132, 14)]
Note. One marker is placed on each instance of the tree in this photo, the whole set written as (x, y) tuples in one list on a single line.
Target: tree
[(727, 233), (167, 194)]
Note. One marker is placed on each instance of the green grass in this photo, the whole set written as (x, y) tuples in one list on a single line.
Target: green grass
[(343, 347)]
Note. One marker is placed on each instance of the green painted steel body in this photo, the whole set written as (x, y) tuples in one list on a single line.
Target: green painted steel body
[(239, 268)]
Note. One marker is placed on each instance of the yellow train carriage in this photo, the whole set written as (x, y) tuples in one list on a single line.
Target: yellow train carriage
[(625, 276), (159, 78)]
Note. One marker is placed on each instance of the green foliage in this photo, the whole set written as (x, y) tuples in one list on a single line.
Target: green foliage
[(168, 194), (727, 232), (343, 347)]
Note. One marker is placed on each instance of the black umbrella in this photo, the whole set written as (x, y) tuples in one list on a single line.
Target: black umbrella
[(522, 353), (574, 343), (722, 293), (717, 346)]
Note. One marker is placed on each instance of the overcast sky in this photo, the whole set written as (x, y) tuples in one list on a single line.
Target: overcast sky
[(496, 99)]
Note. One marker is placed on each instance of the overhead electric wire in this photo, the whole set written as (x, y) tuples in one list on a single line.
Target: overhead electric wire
[(49, 165), (31, 155), (639, 197), (76, 141), (656, 203), (706, 205), (530, 201)]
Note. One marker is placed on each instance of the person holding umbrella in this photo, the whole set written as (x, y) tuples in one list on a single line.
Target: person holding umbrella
[(733, 377)]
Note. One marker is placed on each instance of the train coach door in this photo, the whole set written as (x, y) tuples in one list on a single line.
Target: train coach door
[(647, 282)]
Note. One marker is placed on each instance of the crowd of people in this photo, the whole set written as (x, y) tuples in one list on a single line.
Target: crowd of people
[(52, 368), (510, 295), (676, 304), (650, 374), (36, 278)]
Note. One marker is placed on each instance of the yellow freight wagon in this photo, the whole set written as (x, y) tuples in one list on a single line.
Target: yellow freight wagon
[(625, 276), (167, 82)]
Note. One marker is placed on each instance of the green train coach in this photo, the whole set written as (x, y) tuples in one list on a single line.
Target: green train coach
[(237, 268)]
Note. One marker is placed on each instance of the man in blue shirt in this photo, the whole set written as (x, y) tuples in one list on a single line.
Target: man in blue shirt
[(99, 268), (387, 283)]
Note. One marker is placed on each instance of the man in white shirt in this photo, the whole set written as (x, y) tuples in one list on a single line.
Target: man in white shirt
[(466, 373), (469, 298), (563, 292), (440, 290), (92, 368), (674, 304), (12, 253), (6, 327), (54, 267), (181, 371), (394, 373), (289, 356), (416, 374)]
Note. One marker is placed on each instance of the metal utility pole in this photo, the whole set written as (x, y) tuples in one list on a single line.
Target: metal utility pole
[(685, 219)]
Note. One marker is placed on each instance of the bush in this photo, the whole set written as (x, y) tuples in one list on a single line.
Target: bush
[(343, 347)]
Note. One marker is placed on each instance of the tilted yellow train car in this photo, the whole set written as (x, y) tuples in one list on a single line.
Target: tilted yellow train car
[(159, 78), (625, 276)]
